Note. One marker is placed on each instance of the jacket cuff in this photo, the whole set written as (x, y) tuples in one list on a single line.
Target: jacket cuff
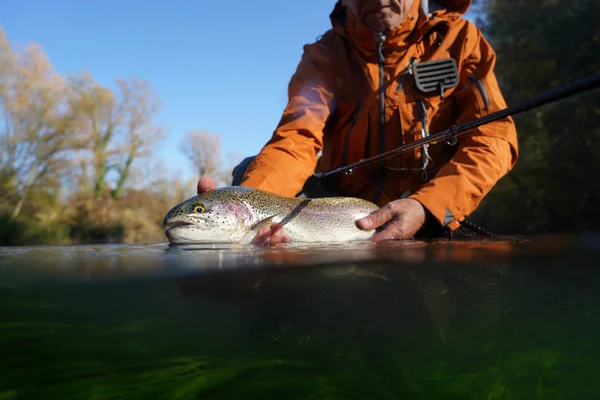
[(437, 209)]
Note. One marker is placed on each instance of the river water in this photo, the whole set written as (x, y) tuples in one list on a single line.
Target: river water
[(502, 319)]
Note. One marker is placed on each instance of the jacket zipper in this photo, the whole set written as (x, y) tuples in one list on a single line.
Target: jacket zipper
[(380, 38)]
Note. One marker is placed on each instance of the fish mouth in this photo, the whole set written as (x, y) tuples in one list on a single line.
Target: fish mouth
[(169, 225), (175, 230)]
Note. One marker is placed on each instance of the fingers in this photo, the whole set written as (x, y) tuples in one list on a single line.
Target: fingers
[(270, 235), (205, 184), (400, 219), (376, 218), (262, 236), (392, 231), (277, 235)]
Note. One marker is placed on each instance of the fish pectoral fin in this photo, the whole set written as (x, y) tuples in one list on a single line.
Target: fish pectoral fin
[(267, 222), (254, 229)]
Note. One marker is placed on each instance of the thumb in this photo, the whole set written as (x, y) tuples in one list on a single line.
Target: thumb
[(205, 184), (375, 219)]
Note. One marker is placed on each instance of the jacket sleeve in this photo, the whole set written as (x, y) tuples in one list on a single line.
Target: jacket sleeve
[(289, 158), (483, 156)]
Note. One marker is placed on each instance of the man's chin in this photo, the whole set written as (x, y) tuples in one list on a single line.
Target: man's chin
[(382, 24)]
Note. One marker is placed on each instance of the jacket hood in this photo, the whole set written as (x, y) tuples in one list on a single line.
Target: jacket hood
[(397, 39), (454, 6), (460, 7)]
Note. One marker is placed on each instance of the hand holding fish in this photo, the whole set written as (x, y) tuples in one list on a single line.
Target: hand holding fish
[(402, 219), (399, 219)]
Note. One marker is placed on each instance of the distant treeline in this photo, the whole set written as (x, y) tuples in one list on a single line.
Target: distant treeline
[(76, 158), (543, 45)]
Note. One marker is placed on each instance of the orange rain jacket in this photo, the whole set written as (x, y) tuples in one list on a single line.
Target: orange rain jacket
[(334, 108)]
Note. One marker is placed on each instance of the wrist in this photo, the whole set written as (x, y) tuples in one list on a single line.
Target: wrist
[(431, 226)]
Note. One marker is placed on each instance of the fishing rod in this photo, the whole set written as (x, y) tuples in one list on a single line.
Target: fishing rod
[(449, 135)]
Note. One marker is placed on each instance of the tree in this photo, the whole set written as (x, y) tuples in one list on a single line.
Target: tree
[(35, 130), (118, 128), (542, 45), (203, 151), (138, 108), (97, 115)]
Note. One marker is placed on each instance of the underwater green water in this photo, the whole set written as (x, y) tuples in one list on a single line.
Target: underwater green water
[(408, 320)]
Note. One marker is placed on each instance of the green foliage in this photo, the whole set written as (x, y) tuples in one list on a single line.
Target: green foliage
[(70, 153), (136, 217), (24, 231), (39, 223), (543, 45)]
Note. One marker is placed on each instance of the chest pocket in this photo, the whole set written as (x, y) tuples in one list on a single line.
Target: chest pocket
[(436, 76), (425, 106)]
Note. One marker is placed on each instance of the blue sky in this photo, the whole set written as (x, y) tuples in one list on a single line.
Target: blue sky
[(221, 66)]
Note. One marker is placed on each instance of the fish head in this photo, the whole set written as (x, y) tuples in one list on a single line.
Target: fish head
[(210, 217)]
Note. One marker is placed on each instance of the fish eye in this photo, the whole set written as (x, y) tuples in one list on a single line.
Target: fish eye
[(198, 209)]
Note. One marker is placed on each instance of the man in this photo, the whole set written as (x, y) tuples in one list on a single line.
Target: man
[(358, 92)]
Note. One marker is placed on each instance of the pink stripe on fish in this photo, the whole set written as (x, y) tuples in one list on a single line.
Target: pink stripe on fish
[(239, 209)]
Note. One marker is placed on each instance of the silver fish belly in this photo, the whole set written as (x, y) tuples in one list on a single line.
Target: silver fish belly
[(235, 214)]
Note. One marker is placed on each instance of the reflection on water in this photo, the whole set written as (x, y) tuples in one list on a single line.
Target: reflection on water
[(439, 320)]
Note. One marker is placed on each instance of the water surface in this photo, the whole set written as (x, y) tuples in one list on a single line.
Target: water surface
[(508, 319)]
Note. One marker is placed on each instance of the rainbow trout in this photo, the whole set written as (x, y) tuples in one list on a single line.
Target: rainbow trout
[(234, 214)]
